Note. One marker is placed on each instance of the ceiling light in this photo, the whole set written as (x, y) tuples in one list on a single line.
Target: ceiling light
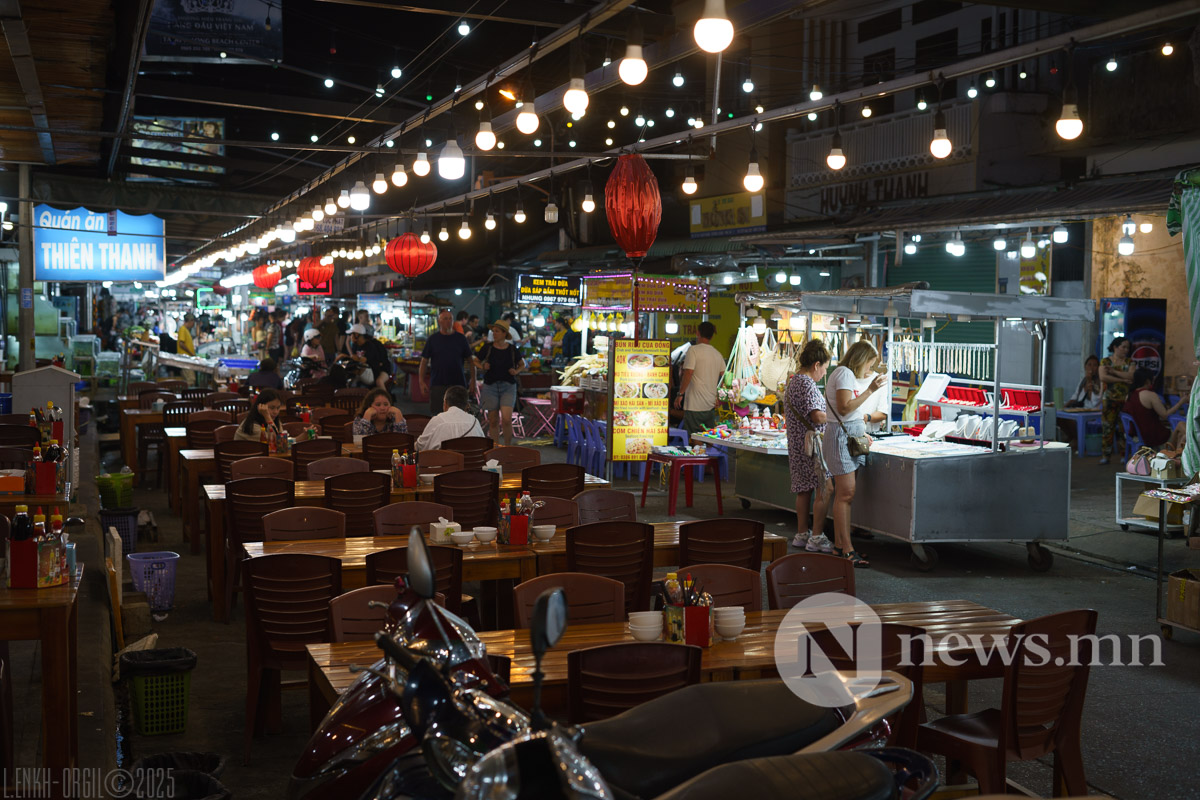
[(972, 92), (485, 138), (748, 85), (463, 28), (816, 93), (999, 243), (508, 94), (812, 116), (451, 164), (443, 234), (713, 31), (1125, 246), (527, 119), (910, 248), (1128, 227), (689, 182), (921, 104), (866, 111), (671, 327), (287, 235), (1028, 248), (1069, 125), (754, 179), (360, 199), (551, 210), (794, 280), (274, 137), (379, 90), (633, 69), (519, 214), (781, 277), (424, 236), (421, 165), (670, 112), (399, 176), (1168, 49), (836, 158), (1060, 234), (464, 230), (1146, 227), (329, 83), (379, 186), (489, 221), (608, 142), (678, 79), (1043, 243), (350, 140), (639, 120), (331, 207), (343, 200), (313, 138), (1111, 66), (589, 203), (990, 81), (759, 325), (537, 142), (940, 146), (1022, 74), (396, 73)]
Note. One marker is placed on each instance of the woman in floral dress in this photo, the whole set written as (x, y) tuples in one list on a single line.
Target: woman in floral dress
[(804, 404)]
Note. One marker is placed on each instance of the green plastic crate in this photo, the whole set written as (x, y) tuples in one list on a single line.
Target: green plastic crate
[(160, 703), (116, 489)]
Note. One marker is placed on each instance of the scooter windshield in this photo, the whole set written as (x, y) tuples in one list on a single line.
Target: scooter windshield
[(439, 634)]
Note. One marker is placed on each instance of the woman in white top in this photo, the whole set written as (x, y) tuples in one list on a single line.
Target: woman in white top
[(848, 418)]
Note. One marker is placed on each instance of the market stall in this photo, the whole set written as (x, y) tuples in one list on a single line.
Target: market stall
[(961, 478)]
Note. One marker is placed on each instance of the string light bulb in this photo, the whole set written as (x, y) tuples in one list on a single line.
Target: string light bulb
[(713, 31), (940, 146), (443, 234), (1028, 248), (527, 118), (379, 185), (464, 230), (421, 165), (451, 163), (671, 327), (1168, 49), (485, 138), (753, 182), (1060, 234), (1069, 125), (318, 213), (689, 181), (1000, 243), (1146, 227), (677, 80), (343, 200), (331, 207), (519, 213), (589, 203), (633, 69), (836, 158), (399, 176), (794, 280), (551, 215), (910, 247), (1111, 65), (489, 221), (1125, 246), (816, 93), (1128, 227), (360, 198)]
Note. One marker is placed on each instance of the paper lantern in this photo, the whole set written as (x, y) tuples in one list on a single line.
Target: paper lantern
[(633, 205), (266, 275), (313, 272), (407, 255)]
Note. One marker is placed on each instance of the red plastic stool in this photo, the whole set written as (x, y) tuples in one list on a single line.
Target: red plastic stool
[(678, 464)]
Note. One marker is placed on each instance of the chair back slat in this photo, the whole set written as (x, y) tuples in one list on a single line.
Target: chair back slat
[(303, 522), (729, 585), (357, 495), (377, 448), (247, 501), (225, 433), (225, 453), (261, 467), (590, 598), (553, 480), (23, 436), (417, 423), (384, 566), (435, 462), (474, 495), (797, 576), (722, 541), (555, 511), (398, 519), (623, 551), (308, 451), (324, 468), (287, 603), (606, 505), (514, 459), (472, 448), (353, 617), (604, 681)]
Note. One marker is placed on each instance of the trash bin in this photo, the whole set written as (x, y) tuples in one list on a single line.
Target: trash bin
[(159, 682), (116, 490), (210, 763), (154, 574), (125, 521)]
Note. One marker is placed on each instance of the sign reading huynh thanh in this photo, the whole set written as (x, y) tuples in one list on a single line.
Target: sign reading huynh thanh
[(82, 245)]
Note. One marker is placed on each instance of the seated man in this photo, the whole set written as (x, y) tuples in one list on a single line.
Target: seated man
[(266, 377), (454, 421)]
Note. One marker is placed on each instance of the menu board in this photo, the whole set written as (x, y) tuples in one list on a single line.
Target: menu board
[(615, 292), (641, 372), (548, 290)]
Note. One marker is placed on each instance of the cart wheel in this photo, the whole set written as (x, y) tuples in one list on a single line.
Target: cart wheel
[(924, 557), (745, 503), (1124, 526), (1167, 632), (1040, 559)]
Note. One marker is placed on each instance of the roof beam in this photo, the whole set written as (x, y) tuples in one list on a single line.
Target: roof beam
[(136, 35), (252, 101), (17, 35), (517, 12)]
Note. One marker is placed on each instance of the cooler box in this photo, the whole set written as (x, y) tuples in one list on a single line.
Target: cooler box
[(567, 399)]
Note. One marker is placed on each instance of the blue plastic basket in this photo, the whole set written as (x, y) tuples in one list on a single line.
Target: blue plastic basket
[(125, 521), (239, 363), (154, 574)]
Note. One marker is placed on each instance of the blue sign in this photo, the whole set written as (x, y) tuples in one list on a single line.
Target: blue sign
[(27, 298), (82, 245)]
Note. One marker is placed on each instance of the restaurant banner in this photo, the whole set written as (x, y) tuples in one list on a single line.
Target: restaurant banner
[(728, 214), (548, 290), (217, 31), (641, 371), (655, 293), (82, 245)]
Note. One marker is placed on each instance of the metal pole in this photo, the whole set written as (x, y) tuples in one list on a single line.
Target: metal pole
[(996, 395), (25, 328)]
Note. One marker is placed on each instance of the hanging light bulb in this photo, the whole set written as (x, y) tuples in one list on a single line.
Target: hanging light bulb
[(990, 81), (866, 111), (940, 146), (921, 104), (1111, 66), (748, 85), (689, 181), (795, 323), (318, 213), (1128, 227), (589, 203), (1069, 126), (781, 277), (485, 139), (343, 200), (308, 223), (1028, 248), (713, 31), (424, 234), (396, 73), (633, 69), (1146, 227), (972, 92), (639, 120), (331, 207), (677, 80), (358, 252), (379, 185), (1168, 49), (527, 118), (794, 280), (551, 210), (836, 158), (399, 176), (519, 214), (575, 99), (816, 93), (999, 243), (360, 198), (1060, 234), (443, 234), (1125, 246), (910, 248), (753, 182), (489, 221), (671, 327), (287, 235), (451, 164), (421, 165), (464, 230)]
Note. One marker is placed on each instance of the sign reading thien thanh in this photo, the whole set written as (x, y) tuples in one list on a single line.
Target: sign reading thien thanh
[(82, 245)]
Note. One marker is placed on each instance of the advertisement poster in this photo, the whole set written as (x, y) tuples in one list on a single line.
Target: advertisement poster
[(641, 372), (615, 292), (548, 290), (192, 155), (728, 214), (243, 31), (82, 245)]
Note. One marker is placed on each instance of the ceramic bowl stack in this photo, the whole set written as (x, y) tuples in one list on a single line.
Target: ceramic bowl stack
[(646, 626), (485, 534), (730, 621)]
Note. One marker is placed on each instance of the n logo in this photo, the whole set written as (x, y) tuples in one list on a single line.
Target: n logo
[(844, 625)]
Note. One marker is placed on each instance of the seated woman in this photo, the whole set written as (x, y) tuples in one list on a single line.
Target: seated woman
[(264, 414), (1090, 394), (1146, 408), (312, 349), (378, 415)]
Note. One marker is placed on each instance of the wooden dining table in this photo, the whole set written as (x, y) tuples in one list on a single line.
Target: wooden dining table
[(308, 493), (131, 420), (50, 616), (552, 554), (750, 655)]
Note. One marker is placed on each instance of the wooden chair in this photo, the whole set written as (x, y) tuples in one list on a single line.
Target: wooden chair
[(728, 585), (137, 387), (352, 616), (15, 419), (321, 412), (225, 453), (295, 429), (261, 467), (417, 423), (338, 426), (556, 511), (606, 505), (210, 414), (306, 452), (553, 480), (472, 448), (16, 458), (287, 607), (114, 599), (590, 598), (398, 519), (303, 522), (722, 541), (435, 462), (225, 433), (324, 468), (175, 385), (246, 502), (152, 436), (1040, 709), (316, 395), (623, 551), (20, 436), (474, 495), (794, 577), (212, 398), (384, 566), (357, 495), (348, 400), (514, 459), (377, 448), (197, 395), (604, 681), (202, 434), (235, 407)]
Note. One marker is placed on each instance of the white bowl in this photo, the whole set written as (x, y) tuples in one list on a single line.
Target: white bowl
[(543, 533), (730, 631), (646, 634), (646, 616), (427, 479), (725, 611), (462, 537), (485, 534)]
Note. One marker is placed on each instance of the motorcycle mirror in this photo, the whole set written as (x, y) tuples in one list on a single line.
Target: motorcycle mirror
[(421, 577), (549, 621)]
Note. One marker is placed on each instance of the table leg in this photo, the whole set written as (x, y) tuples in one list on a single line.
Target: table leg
[(673, 487), (956, 703), (317, 707), (216, 558), (58, 689), (73, 684), (192, 504), (173, 474), (1080, 433), (129, 442), (716, 470), (645, 486), (688, 478), (1162, 533)]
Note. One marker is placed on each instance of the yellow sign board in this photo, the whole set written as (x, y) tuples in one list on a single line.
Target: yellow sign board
[(728, 214), (615, 293), (639, 400), (1035, 272)]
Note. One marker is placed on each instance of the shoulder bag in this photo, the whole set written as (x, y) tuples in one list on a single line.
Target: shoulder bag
[(1139, 463), (812, 437), (855, 445)]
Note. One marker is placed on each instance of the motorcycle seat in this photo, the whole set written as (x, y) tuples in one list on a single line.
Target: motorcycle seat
[(813, 776), (666, 741)]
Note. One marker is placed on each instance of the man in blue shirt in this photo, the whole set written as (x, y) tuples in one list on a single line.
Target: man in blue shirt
[(442, 362)]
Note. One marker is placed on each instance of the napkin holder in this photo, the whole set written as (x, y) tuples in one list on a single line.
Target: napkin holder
[(688, 625), (45, 477), (494, 466), (439, 532)]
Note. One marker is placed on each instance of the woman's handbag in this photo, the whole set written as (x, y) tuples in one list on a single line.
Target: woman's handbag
[(1139, 464), (855, 445)]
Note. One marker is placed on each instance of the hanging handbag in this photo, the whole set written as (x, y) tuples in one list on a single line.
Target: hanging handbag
[(1139, 463), (855, 445)]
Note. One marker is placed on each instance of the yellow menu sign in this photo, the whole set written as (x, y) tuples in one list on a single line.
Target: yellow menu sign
[(639, 401), (615, 292)]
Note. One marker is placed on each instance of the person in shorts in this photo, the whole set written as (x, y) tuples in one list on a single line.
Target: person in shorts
[(500, 363)]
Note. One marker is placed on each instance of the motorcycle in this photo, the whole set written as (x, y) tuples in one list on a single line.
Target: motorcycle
[(418, 722), (297, 369)]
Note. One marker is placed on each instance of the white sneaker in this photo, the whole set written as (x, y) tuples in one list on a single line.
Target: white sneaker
[(801, 539), (819, 544)]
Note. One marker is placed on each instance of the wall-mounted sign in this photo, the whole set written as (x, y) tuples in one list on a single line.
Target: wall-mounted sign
[(1035, 272), (261, 298), (373, 302), (655, 293), (243, 31), (641, 372), (548, 290), (82, 245), (190, 127), (728, 214)]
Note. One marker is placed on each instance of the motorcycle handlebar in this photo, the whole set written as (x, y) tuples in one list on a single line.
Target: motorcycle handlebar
[(395, 652)]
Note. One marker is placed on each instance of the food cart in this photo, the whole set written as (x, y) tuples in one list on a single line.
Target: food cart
[(954, 487)]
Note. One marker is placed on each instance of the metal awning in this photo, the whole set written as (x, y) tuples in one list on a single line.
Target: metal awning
[(917, 300)]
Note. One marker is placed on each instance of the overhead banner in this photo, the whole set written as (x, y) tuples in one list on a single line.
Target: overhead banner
[(82, 245), (243, 31), (728, 214), (641, 372), (655, 293), (182, 127), (548, 290)]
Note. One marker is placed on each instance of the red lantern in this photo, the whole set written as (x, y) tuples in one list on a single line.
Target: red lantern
[(633, 205), (407, 255), (266, 275), (313, 272), (219, 290)]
